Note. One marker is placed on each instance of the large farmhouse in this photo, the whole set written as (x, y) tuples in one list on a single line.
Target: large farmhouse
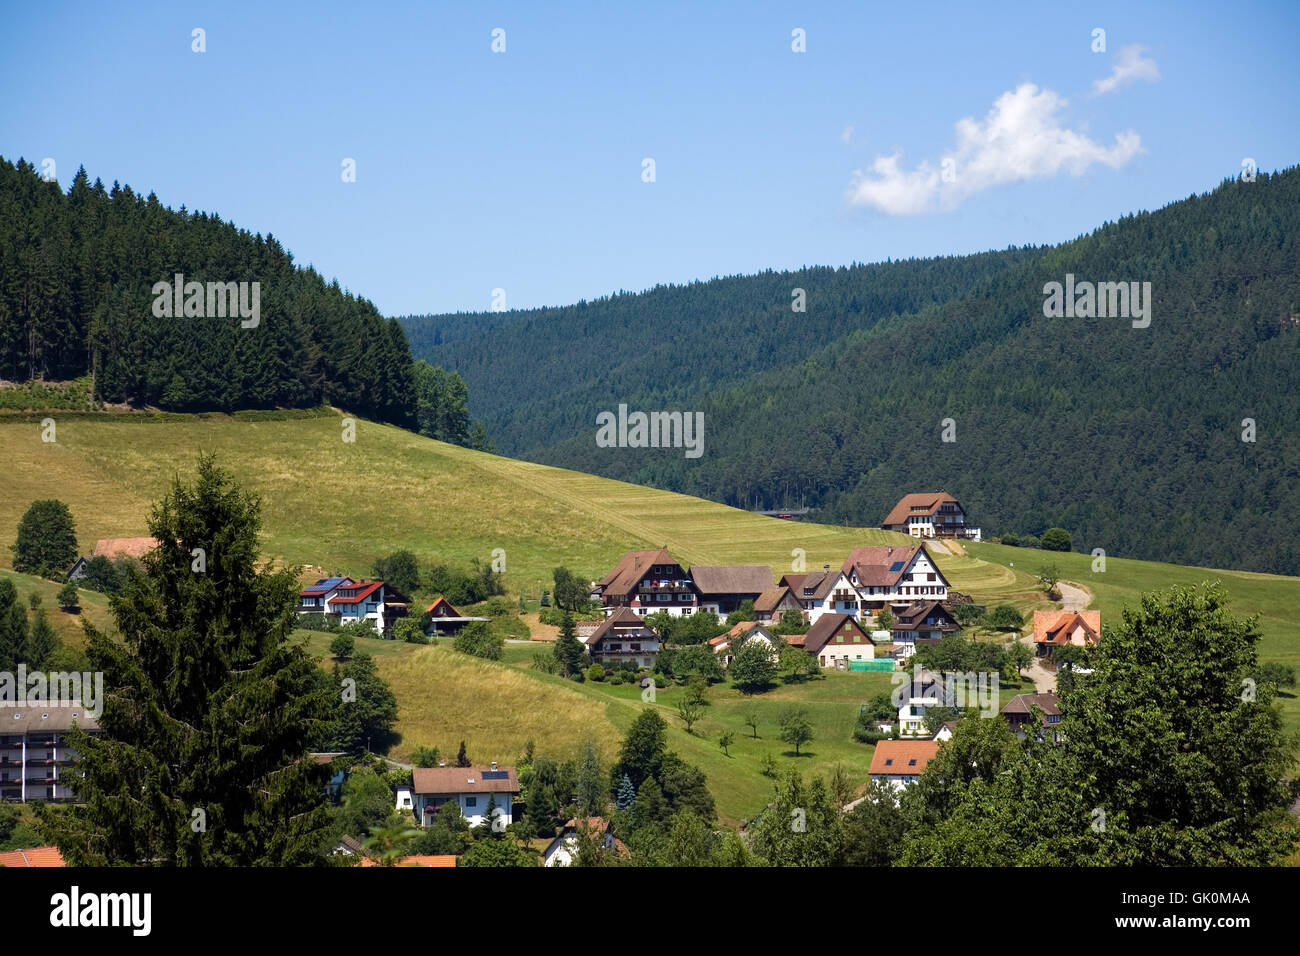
[(622, 638), (930, 515), (647, 582)]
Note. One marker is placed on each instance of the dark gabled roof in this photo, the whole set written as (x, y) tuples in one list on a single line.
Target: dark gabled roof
[(323, 586), (1023, 704), (731, 578), (827, 626), (448, 780), (913, 617), (816, 585), (631, 568), (623, 618), (924, 503)]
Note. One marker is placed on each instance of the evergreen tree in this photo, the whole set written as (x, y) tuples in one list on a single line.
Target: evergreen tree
[(462, 759), (626, 794), (13, 627), (68, 597), (210, 707), (41, 642), (47, 539), (569, 651)]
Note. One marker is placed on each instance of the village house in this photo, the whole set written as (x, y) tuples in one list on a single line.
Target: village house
[(445, 620), (825, 592), (723, 588), (1019, 711), (647, 582), (564, 848), (922, 690), (936, 515), (835, 638), (774, 602), (727, 644), (315, 599), (113, 548), (894, 577), (1053, 629), (922, 622), (470, 788), (622, 638), (349, 601), (900, 763)]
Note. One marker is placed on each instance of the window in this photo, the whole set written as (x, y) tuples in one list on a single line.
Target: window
[(930, 577), (471, 801), (912, 762)]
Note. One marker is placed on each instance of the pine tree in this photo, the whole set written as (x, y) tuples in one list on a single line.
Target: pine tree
[(462, 759), (41, 641), (13, 627), (626, 794), (47, 539), (568, 649), (209, 708)]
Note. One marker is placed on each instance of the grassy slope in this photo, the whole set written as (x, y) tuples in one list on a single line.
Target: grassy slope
[(339, 506)]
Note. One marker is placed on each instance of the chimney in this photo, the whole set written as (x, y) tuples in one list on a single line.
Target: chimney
[(826, 567)]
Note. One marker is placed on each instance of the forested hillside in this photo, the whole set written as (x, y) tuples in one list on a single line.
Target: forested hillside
[(1131, 438), (76, 274)]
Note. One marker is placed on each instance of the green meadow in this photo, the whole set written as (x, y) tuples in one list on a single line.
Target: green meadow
[(335, 506)]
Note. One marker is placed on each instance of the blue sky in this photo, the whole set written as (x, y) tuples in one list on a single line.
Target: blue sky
[(522, 170)]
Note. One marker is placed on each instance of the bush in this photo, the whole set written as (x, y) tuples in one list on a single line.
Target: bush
[(479, 640), (767, 766), (68, 598), (545, 662), (1004, 617), (408, 629), (425, 757), (1057, 539), (966, 614), (1010, 540), (317, 622), (343, 647), (595, 673), (616, 678), (499, 607), (1029, 541)]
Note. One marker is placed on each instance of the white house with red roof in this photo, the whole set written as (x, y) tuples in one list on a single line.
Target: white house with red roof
[(348, 601), (930, 515)]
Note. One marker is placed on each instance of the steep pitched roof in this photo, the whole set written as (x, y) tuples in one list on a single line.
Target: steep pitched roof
[(731, 578), (914, 615), (622, 619), (827, 626), (1054, 627), (446, 605), (816, 585), (364, 590), (631, 568), (923, 503), (323, 586), (882, 565), (440, 780), (902, 757), (767, 601)]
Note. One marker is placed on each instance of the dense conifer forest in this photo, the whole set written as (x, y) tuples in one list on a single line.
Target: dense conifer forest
[(1131, 438)]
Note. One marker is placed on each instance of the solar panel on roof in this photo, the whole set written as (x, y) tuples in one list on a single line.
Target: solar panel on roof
[(495, 775), (896, 566)]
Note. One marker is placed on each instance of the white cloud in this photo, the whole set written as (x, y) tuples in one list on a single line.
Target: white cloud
[(1129, 67), (1020, 139), (847, 135)]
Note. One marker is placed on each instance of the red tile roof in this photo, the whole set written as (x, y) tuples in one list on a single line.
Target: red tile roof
[(37, 856), (631, 568), (1054, 627), (873, 564), (416, 861), (444, 601), (366, 589), (130, 547), (902, 757)]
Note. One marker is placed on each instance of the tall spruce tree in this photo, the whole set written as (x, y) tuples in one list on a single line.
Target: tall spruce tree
[(209, 708), (13, 626)]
